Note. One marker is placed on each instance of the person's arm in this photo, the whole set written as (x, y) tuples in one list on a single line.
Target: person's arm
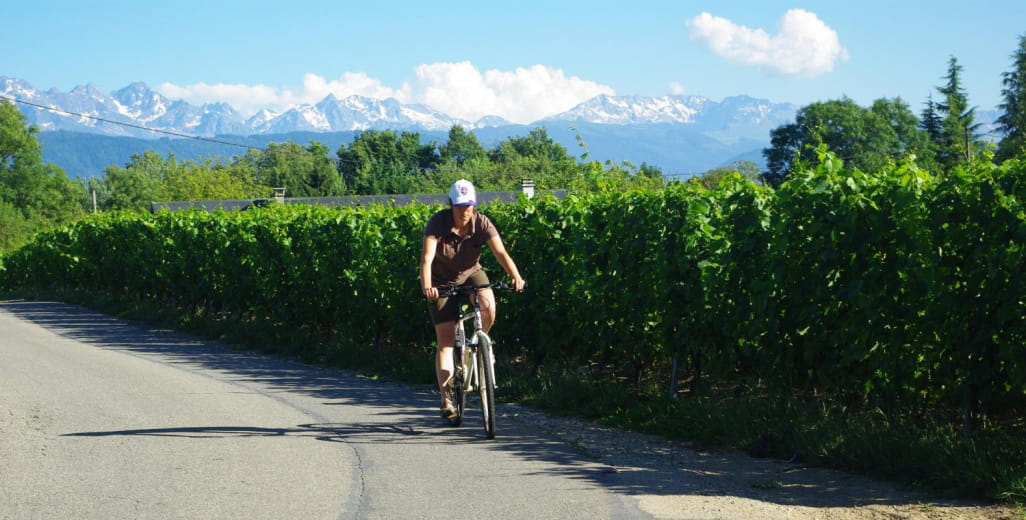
[(506, 261), (427, 256)]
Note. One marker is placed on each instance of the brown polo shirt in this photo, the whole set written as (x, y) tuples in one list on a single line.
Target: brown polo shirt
[(457, 257)]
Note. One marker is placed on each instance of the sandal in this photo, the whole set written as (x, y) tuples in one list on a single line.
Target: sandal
[(448, 412), (448, 408)]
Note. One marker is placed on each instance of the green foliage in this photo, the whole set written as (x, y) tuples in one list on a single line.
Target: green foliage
[(712, 178), (910, 140), (888, 132), (897, 291), (931, 121), (16, 228), (846, 269), (303, 172), (211, 180), (17, 140), (536, 156), (1012, 121), (33, 195), (382, 162), (892, 289), (957, 140), (148, 177), (866, 139), (137, 184), (462, 147), (375, 162)]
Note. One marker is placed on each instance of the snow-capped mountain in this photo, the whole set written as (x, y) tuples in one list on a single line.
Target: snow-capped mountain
[(490, 121), (125, 112), (628, 110), (137, 101), (678, 133), (731, 120), (352, 113), (86, 108)]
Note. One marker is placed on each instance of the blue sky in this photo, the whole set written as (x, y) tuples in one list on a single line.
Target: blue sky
[(521, 60)]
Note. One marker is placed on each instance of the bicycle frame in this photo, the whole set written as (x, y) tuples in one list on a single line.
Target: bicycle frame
[(473, 361), (465, 362)]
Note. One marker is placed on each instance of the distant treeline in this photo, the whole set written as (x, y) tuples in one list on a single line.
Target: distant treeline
[(678, 150)]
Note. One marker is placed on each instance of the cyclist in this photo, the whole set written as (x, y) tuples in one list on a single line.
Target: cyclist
[(453, 239)]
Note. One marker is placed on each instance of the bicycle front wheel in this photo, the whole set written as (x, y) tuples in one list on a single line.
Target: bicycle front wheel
[(459, 388), (486, 381)]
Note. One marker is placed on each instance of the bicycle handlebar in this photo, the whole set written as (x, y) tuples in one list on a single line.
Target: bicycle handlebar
[(446, 291)]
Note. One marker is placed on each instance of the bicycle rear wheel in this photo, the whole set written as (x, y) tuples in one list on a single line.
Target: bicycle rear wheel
[(486, 381)]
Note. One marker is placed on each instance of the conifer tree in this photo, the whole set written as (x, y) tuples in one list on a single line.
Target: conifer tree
[(957, 139), (1012, 121), (930, 122)]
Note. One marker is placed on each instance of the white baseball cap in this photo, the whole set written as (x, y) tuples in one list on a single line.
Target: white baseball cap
[(462, 193)]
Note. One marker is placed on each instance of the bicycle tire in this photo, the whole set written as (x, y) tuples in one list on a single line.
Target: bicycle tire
[(486, 381), (459, 394)]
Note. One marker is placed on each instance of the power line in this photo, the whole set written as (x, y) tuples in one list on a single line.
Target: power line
[(199, 138), (186, 136)]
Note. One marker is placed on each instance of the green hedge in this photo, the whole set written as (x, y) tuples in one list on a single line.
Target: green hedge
[(894, 287)]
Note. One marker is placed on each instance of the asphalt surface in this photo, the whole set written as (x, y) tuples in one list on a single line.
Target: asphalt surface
[(102, 418)]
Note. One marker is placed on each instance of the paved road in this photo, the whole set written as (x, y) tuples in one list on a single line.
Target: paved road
[(100, 418)]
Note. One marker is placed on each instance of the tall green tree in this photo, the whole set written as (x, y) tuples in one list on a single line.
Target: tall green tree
[(383, 162), (461, 147), (211, 180), (535, 156), (1012, 121), (303, 171), (33, 194), (865, 138), (148, 177), (909, 138), (537, 144), (930, 122), (139, 183), (957, 140)]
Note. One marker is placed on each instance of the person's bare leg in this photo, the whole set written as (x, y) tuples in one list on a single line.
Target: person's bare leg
[(445, 333), (486, 299)]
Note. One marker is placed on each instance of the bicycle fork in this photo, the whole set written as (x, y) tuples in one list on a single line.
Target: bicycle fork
[(465, 353)]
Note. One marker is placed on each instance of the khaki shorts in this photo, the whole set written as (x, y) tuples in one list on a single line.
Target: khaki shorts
[(448, 309)]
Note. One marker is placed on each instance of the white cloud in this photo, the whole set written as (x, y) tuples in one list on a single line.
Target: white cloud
[(521, 96), (245, 98), (316, 88), (250, 98), (677, 89), (803, 46), (457, 89)]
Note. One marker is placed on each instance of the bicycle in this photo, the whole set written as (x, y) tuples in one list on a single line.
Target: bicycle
[(473, 362)]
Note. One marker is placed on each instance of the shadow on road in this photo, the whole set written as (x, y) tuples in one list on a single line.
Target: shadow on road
[(405, 414)]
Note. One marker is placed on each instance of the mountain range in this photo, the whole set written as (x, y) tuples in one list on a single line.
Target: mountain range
[(85, 130)]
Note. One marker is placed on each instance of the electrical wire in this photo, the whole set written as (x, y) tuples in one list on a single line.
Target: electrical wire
[(199, 138), (186, 136)]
